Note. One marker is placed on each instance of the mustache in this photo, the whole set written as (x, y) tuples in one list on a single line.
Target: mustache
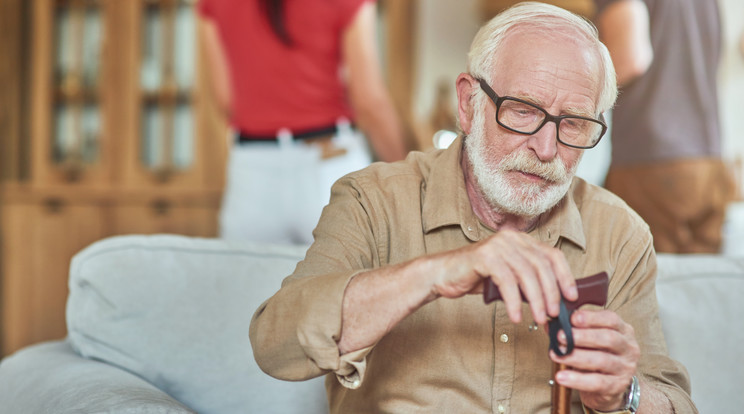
[(553, 170)]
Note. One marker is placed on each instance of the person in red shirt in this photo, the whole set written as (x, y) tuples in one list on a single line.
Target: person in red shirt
[(292, 78)]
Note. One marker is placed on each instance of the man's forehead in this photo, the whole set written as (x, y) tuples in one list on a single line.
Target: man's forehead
[(536, 66), (528, 30), (531, 41), (577, 106)]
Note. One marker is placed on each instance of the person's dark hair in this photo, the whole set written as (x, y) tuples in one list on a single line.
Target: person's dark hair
[(274, 10)]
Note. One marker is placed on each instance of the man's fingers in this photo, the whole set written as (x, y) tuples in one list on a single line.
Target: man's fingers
[(601, 319), (592, 360), (530, 283), (517, 262), (510, 294), (563, 274), (603, 330), (551, 294), (553, 274), (592, 382)]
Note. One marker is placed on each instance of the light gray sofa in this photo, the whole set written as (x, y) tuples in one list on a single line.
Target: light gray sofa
[(159, 324)]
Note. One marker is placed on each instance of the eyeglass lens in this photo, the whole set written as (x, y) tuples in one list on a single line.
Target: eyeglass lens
[(527, 119)]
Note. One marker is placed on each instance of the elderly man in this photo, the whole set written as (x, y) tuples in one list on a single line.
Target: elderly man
[(384, 300)]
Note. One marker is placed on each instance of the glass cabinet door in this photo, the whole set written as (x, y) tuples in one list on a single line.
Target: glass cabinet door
[(168, 45), (115, 95), (77, 121)]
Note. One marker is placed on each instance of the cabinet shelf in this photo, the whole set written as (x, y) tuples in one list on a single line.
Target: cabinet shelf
[(77, 96), (167, 97)]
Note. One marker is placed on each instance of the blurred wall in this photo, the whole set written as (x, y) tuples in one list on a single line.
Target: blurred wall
[(732, 78), (445, 30)]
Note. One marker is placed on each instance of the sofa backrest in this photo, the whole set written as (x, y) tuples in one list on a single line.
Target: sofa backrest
[(701, 303), (176, 310)]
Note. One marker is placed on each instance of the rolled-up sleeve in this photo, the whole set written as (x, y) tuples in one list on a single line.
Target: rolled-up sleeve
[(294, 333)]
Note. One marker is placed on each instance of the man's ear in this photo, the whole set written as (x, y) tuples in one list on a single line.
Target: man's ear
[(465, 84)]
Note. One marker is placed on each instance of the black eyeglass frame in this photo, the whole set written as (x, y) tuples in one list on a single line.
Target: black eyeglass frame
[(498, 100)]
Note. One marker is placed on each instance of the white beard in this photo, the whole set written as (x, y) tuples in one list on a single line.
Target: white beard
[(522, 199)]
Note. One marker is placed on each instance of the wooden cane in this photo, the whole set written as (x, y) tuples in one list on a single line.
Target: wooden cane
[(592, 290), (560, 396)]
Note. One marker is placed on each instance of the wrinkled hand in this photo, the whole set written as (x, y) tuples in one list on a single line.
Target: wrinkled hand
[(604, 359), (512, 260)]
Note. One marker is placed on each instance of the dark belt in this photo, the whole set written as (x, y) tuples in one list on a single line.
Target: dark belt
[(243, 138)]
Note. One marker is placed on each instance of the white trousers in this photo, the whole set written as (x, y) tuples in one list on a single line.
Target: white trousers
[(275, 191)]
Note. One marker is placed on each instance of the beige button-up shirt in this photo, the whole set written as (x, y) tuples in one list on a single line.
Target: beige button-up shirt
[(451, 355)]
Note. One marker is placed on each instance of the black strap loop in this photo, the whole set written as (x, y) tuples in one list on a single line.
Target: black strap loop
[(563, 322)]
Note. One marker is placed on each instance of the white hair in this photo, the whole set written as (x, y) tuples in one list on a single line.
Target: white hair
[(538, 17)]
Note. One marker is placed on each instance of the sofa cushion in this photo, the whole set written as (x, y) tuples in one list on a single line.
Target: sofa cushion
[(51, 378), (701, 306), (176, 310)]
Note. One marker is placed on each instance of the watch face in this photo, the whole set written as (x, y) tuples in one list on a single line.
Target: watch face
[(634, 395)]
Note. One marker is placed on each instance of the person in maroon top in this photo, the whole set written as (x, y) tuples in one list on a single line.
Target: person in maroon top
[(666, 140), (307, 71)]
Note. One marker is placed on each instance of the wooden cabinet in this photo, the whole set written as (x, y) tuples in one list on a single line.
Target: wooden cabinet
[(121, 139), (39, 238)]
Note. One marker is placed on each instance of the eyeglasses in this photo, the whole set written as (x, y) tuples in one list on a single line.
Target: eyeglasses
[(523, 117)]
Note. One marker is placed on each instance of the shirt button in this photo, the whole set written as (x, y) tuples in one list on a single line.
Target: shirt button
[(501, 409), (504, 338), (470, 228)]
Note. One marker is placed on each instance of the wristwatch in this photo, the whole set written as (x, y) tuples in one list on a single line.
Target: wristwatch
[(632, 399), (634, 396)]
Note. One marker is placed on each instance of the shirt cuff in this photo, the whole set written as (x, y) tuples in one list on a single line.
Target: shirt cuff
[(352, 367), (320, 328)]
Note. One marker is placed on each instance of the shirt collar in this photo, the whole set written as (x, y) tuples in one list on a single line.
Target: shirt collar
[(563, 221), (446, 179)]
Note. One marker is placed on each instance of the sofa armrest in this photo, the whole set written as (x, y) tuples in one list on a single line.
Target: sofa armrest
[(175, 311), (700, 306), (51, 377)]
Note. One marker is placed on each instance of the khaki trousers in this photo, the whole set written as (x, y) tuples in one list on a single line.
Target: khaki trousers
[(683, 201)]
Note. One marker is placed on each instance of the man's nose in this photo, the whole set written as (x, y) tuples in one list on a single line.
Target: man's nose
[(544, 142)]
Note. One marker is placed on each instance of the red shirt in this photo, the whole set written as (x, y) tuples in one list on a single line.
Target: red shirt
[(275, 86)]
